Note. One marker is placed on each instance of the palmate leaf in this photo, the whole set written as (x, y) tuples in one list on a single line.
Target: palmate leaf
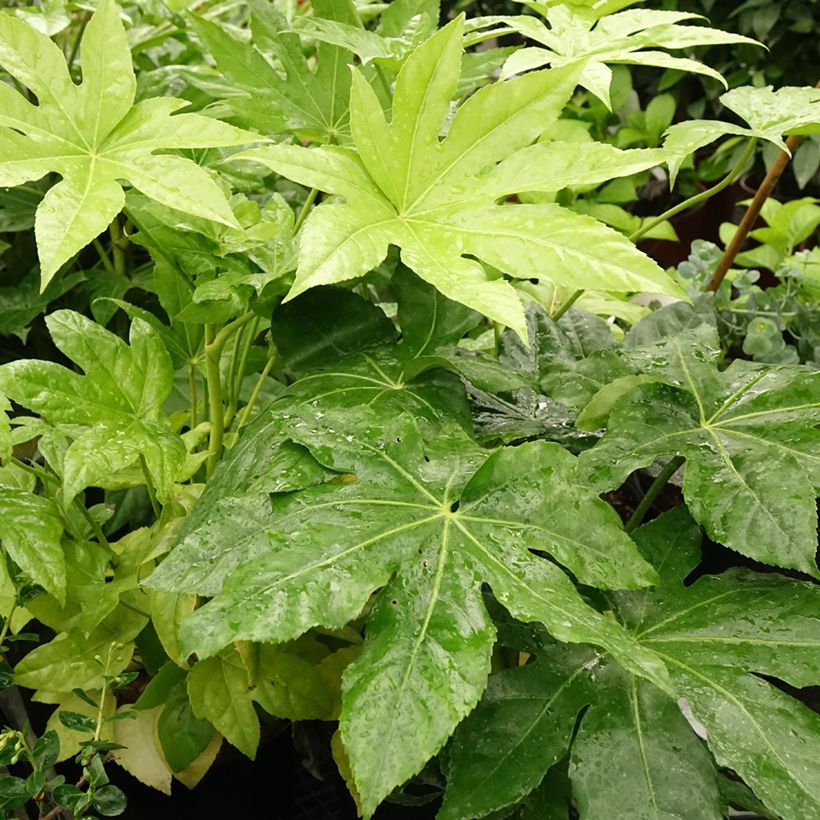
[(424, 519), (598, 39), (771, 115), (113, 413), (314, 104), (435, 198), (751, 442), (94, 135), (711, 642)]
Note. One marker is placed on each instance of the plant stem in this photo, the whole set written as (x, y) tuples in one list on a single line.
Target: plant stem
[(652, 493), (311, 198), (149, 485), (118, 245), (36, 471), (215, 410), (7, 625), (702, 196), (95, 527), (104, 257), (752, 213), (567, 305), (246, 412), (192, 390)]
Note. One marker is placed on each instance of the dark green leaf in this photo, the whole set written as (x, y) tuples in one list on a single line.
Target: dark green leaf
[(77, 722), (182, 735), (325, 325), (110, 801)]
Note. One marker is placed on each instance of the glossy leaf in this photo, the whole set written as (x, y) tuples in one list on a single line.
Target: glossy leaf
[(635, 752), (424, 510), (436, 199), (95, 135), (752, 457)]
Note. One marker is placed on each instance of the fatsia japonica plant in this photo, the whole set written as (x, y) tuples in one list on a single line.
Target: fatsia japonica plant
[(343, 411)]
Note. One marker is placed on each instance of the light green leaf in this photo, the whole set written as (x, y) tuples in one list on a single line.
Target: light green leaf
[(30, 532), (310, 103), (219, 691), (95, 136), (435, 198), (770, 114), (76, 661), (599, 39), (117, 404)]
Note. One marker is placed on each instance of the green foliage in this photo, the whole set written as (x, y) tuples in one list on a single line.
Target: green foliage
[(360, 451), (94, 135), (524, 724), (435, 199)]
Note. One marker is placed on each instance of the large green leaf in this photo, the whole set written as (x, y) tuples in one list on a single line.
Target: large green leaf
[(588, 36), (751, 445), (714, 645), (114, 412), (435, 198), (95, 135), (311, 103), (437, 516), (770, 115)]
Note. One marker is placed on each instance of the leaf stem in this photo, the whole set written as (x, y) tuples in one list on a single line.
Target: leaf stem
[(246, 412), (149, 485), (214, 345), (7, 626), (750, 217), (192, 392), (567, 305), (311, 198), (652, 493), (702, 196), (118, 244), (95, 527), (104, 257), (215, 409)]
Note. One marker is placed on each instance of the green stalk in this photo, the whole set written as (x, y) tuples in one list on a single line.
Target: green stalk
[(246, 412), (652, 493), (95, 527), (104, 257), (214, 345), (311, 198), (215, 409), (7, 624), (702, 196), (567, 305), (149, 484), (119, 242), (192, 392)]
